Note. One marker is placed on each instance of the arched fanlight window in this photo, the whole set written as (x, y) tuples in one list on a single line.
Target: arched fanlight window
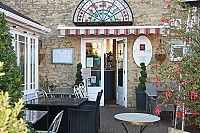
[(103, 12)]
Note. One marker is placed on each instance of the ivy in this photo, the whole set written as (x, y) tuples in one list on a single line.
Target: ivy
[(11, 81)]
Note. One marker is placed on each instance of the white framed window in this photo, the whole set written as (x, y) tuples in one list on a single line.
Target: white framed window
[(26, 49), (178, 50), (177, 23)]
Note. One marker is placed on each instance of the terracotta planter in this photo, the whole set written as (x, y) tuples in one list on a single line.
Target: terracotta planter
[(160, 57)]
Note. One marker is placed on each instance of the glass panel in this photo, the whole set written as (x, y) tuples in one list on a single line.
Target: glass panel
[(15, 37), (178, 52), (21, 38), (93, 60), (33, 41), (120, 64), (108, 54), (103, 11), (33, 66), (21, 58)]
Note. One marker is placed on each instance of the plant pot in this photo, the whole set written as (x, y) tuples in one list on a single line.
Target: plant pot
[(160, 57), (140, 99)]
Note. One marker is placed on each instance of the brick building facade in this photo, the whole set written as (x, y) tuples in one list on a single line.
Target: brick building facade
[(52, 13)]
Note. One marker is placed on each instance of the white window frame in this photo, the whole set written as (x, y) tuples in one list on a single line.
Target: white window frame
[(27, 62), (177, 44)]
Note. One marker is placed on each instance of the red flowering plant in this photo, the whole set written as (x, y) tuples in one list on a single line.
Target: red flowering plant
[(180, 78)]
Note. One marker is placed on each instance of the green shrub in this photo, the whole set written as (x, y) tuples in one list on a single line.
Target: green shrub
[(11, 81), (1, 65)]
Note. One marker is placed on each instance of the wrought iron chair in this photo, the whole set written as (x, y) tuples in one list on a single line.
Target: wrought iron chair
[(86, 119), (40, 93), (53, 128), (79, 91)]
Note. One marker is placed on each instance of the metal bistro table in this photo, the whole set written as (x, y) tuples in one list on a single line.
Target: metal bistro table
[(54, 106), (33, 116), (141, 119)]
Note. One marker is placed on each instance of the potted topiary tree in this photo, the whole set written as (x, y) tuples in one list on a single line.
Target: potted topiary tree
[(140, 94), (79, 78)]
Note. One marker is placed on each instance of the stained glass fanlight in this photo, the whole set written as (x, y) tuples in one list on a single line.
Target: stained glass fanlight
[(103, 12)]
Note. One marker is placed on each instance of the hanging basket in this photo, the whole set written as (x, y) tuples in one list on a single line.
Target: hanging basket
[(160, 52), (160, 57), (41, 55)]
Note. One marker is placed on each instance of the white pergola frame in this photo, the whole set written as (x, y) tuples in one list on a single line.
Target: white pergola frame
[(30, 30)]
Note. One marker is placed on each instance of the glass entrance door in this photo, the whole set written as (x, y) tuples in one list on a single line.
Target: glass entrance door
[(93, 57), (120, 73)]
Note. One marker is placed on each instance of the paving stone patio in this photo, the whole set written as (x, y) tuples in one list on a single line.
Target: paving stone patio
[(109, 125)]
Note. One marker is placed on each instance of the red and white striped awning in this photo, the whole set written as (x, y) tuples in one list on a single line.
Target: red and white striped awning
[(110, 30)]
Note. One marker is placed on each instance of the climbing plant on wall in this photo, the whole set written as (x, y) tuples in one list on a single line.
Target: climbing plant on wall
[(180, 79)]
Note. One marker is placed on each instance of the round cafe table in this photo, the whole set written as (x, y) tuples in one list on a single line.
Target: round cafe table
[(141, 119)]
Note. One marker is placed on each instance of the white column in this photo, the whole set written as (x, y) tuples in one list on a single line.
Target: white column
[(36, 63), (28, 74)]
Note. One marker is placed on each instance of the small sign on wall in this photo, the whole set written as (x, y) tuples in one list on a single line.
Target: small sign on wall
[(89, 62), (62, 56), (86, 73), (142, 47)]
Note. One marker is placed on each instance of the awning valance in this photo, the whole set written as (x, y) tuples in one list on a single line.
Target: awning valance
[(109, 30)]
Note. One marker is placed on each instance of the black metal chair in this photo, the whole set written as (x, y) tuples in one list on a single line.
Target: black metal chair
[(86, 119)]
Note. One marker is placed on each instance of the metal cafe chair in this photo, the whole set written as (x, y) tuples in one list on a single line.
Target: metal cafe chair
[(79, 91), (49, 89), (40, 93), (86, 119), (29, 98), (53, 128), (169, 105), (150, 93)]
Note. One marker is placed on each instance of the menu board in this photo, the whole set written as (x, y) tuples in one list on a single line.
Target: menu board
[(62, 56)]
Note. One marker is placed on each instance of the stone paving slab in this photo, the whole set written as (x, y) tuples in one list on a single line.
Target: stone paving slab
[(109, 125)]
